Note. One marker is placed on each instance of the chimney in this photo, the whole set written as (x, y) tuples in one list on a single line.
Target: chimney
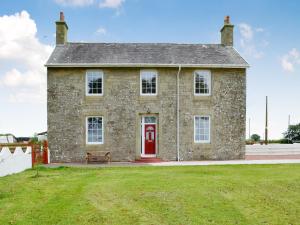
[(61, 30), (227, 32)]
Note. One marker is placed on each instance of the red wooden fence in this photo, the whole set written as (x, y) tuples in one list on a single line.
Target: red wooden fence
[(39, 152)]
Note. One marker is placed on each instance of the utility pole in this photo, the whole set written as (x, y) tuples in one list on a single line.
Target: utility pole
[(249, 130), (289, 123), (266, 128)]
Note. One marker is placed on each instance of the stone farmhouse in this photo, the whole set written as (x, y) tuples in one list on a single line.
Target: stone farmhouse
[(164, 100)]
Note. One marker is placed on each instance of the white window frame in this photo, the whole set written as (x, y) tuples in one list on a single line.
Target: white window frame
[(86, 83), (86, 131), (141, 86), (209, 122), (207, 73)]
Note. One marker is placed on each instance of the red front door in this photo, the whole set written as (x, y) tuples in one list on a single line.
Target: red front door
[(150, 138)]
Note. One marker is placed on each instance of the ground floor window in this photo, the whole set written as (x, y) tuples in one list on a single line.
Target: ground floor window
[(202, 129), (94, 130)]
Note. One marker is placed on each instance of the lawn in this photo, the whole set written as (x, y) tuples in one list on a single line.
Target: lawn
[(236, 194)]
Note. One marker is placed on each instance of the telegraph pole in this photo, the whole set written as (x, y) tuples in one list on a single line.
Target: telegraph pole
[(289, 123), (266, 127), (249, 129)]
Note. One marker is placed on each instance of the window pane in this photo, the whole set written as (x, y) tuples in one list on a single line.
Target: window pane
[(202, 129), (94, 79), (95, 129), (202, 82), (148, 79), (150, 119)]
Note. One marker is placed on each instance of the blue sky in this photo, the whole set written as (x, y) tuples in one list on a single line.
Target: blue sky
[(267, 34)]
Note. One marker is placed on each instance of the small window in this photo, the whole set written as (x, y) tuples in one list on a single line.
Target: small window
[(202, 129), (94, 130), (94, 83), (148, 82), (202, 81), (150, 119)]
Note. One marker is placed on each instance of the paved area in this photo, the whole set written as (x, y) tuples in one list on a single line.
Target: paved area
[(272, 151), (273, 157), (174, 163), (230, 162), (255, 154)]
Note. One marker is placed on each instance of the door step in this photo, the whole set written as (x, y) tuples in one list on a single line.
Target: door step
[(148, 160)]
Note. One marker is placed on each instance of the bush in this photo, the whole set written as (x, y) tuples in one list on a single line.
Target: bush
[(280, 141), (293, 133), (285, 141), (255, 137), (249, 142)]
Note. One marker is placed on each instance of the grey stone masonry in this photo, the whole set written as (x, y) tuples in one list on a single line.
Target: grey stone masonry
[(122, 107)]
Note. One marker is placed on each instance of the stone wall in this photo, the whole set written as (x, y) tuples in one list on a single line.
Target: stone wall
[(227, 110), (122, 108)]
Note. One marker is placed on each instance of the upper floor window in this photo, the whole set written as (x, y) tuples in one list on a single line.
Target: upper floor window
[(148, 82), (94, 130), (202, 82), (202, 129), (94, 82)]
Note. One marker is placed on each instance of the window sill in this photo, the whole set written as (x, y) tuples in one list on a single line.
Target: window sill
[(93, 95), (94, 143), (202, 97), (92, 98), (202, 143)]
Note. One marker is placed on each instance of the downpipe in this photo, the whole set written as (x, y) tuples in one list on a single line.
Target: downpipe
[(177, 110)]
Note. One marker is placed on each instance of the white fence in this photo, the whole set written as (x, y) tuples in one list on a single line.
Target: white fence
[(16, 162)]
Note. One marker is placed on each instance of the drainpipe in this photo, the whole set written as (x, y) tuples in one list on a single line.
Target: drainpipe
[(177, 139)]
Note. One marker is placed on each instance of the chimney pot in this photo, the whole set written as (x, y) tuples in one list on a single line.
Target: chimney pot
[(227, 20), (61, 16)]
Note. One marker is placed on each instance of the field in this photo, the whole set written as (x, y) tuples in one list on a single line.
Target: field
[(237, 194)]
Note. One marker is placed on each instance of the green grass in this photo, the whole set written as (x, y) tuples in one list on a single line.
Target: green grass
[(238, 194)]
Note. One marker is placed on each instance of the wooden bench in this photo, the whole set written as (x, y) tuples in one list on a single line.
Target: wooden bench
[(98, 156)]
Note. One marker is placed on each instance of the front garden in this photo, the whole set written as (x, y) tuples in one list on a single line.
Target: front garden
[(237, 194)]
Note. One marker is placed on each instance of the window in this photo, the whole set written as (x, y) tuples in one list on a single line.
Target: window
[(202, 129), (150, 119), (202, 82), (148, 82), (94, 130), (94, 83)]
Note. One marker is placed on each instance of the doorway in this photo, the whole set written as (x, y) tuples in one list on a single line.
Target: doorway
[(149, 136)]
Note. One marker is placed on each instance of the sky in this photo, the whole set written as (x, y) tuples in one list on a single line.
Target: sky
[(266, 34)]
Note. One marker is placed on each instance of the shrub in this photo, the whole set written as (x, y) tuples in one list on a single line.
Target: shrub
[(255, 137)]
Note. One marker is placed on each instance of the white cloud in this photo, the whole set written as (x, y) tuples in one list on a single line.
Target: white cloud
[(101, 31), (290, 60), (114, 4), (251, 42), (74, 2), (246, 31), (259, 29), (24, 56)]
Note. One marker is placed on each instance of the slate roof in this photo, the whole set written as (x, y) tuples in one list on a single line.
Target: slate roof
[(134, 54)]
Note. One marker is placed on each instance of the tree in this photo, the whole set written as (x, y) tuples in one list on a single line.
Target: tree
[(255, 137), (293, 133)]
